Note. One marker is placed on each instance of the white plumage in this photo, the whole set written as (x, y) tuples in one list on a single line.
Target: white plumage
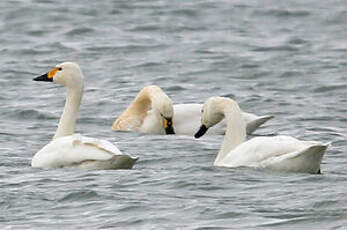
[(74, 150), (150, 108), (281, 153)]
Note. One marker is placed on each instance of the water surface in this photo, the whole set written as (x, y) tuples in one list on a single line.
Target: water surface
[(286, 59)]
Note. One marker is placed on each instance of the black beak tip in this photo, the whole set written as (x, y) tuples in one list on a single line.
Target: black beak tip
[(203, 129), (43, 77), (169, 130)]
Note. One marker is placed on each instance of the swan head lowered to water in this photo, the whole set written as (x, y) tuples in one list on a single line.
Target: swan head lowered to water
[(150, 112), (68, 149)]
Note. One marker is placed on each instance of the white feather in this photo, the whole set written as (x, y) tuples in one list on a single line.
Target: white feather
[(74, 150)]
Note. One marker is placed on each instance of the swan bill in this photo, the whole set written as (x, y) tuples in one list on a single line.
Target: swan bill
[(203, 129), (43, 77), (168, 126), (48, 76)]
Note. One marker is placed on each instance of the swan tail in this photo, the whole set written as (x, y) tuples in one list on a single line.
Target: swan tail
[(114, 163), (121, 162), (253, 125), (307, 160)]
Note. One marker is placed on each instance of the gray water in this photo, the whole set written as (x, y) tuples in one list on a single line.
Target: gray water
[(282, 58)]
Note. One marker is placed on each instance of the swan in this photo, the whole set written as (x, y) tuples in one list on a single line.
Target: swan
[(152, 111), (68, 149), (281, 153), (187, 120)]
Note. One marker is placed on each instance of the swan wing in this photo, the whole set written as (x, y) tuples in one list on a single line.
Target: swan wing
[(253, 121), (72, 150), (304, 160), (97, 143), (253, 152)]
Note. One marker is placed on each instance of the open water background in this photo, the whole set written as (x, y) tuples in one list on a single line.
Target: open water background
[(285, 58)]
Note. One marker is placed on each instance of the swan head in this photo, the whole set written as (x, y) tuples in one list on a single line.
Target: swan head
[(162, 105), (211, 114), (166, 115), (67, 74)]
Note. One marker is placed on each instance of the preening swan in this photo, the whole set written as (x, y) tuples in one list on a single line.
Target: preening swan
[(152, 112), (74, 150), (282, 153)]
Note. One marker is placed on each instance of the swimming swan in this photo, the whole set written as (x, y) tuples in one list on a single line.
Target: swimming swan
[(186, 120), (74, 150), (282, 153), (152, 112)]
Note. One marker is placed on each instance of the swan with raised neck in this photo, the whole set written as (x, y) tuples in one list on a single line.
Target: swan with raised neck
[(68, 149), (282, 153), (73, 80), (218, 108)]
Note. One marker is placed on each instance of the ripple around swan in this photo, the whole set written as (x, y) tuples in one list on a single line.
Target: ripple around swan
[(328, 88), (30, 114), (80, 195), (288, 48), (283, 13), (80, 31)]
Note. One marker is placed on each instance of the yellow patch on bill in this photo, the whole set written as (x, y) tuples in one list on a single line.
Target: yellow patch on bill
[(165, 124), (52, 72)]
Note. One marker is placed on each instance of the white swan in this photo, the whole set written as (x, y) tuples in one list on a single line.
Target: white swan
[(152, 112), (282, 153), (74, 150), (186, 120)]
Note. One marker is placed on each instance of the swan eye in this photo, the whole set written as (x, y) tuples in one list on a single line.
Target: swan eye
[(60, 69), (202, 111)]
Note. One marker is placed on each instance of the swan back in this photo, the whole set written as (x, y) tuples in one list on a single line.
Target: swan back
[(281, 153), (78, 151)]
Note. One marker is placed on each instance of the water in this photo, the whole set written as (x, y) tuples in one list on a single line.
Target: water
[(281, 58)]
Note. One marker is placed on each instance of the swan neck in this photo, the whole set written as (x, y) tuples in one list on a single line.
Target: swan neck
[(235, 131), (68, 119), (141, 104)]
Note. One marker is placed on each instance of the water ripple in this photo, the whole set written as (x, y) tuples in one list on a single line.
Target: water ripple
[(287, 58)]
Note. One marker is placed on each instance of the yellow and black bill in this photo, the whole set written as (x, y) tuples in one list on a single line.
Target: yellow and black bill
[(168, 126), (43, 77), (47, 76)]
